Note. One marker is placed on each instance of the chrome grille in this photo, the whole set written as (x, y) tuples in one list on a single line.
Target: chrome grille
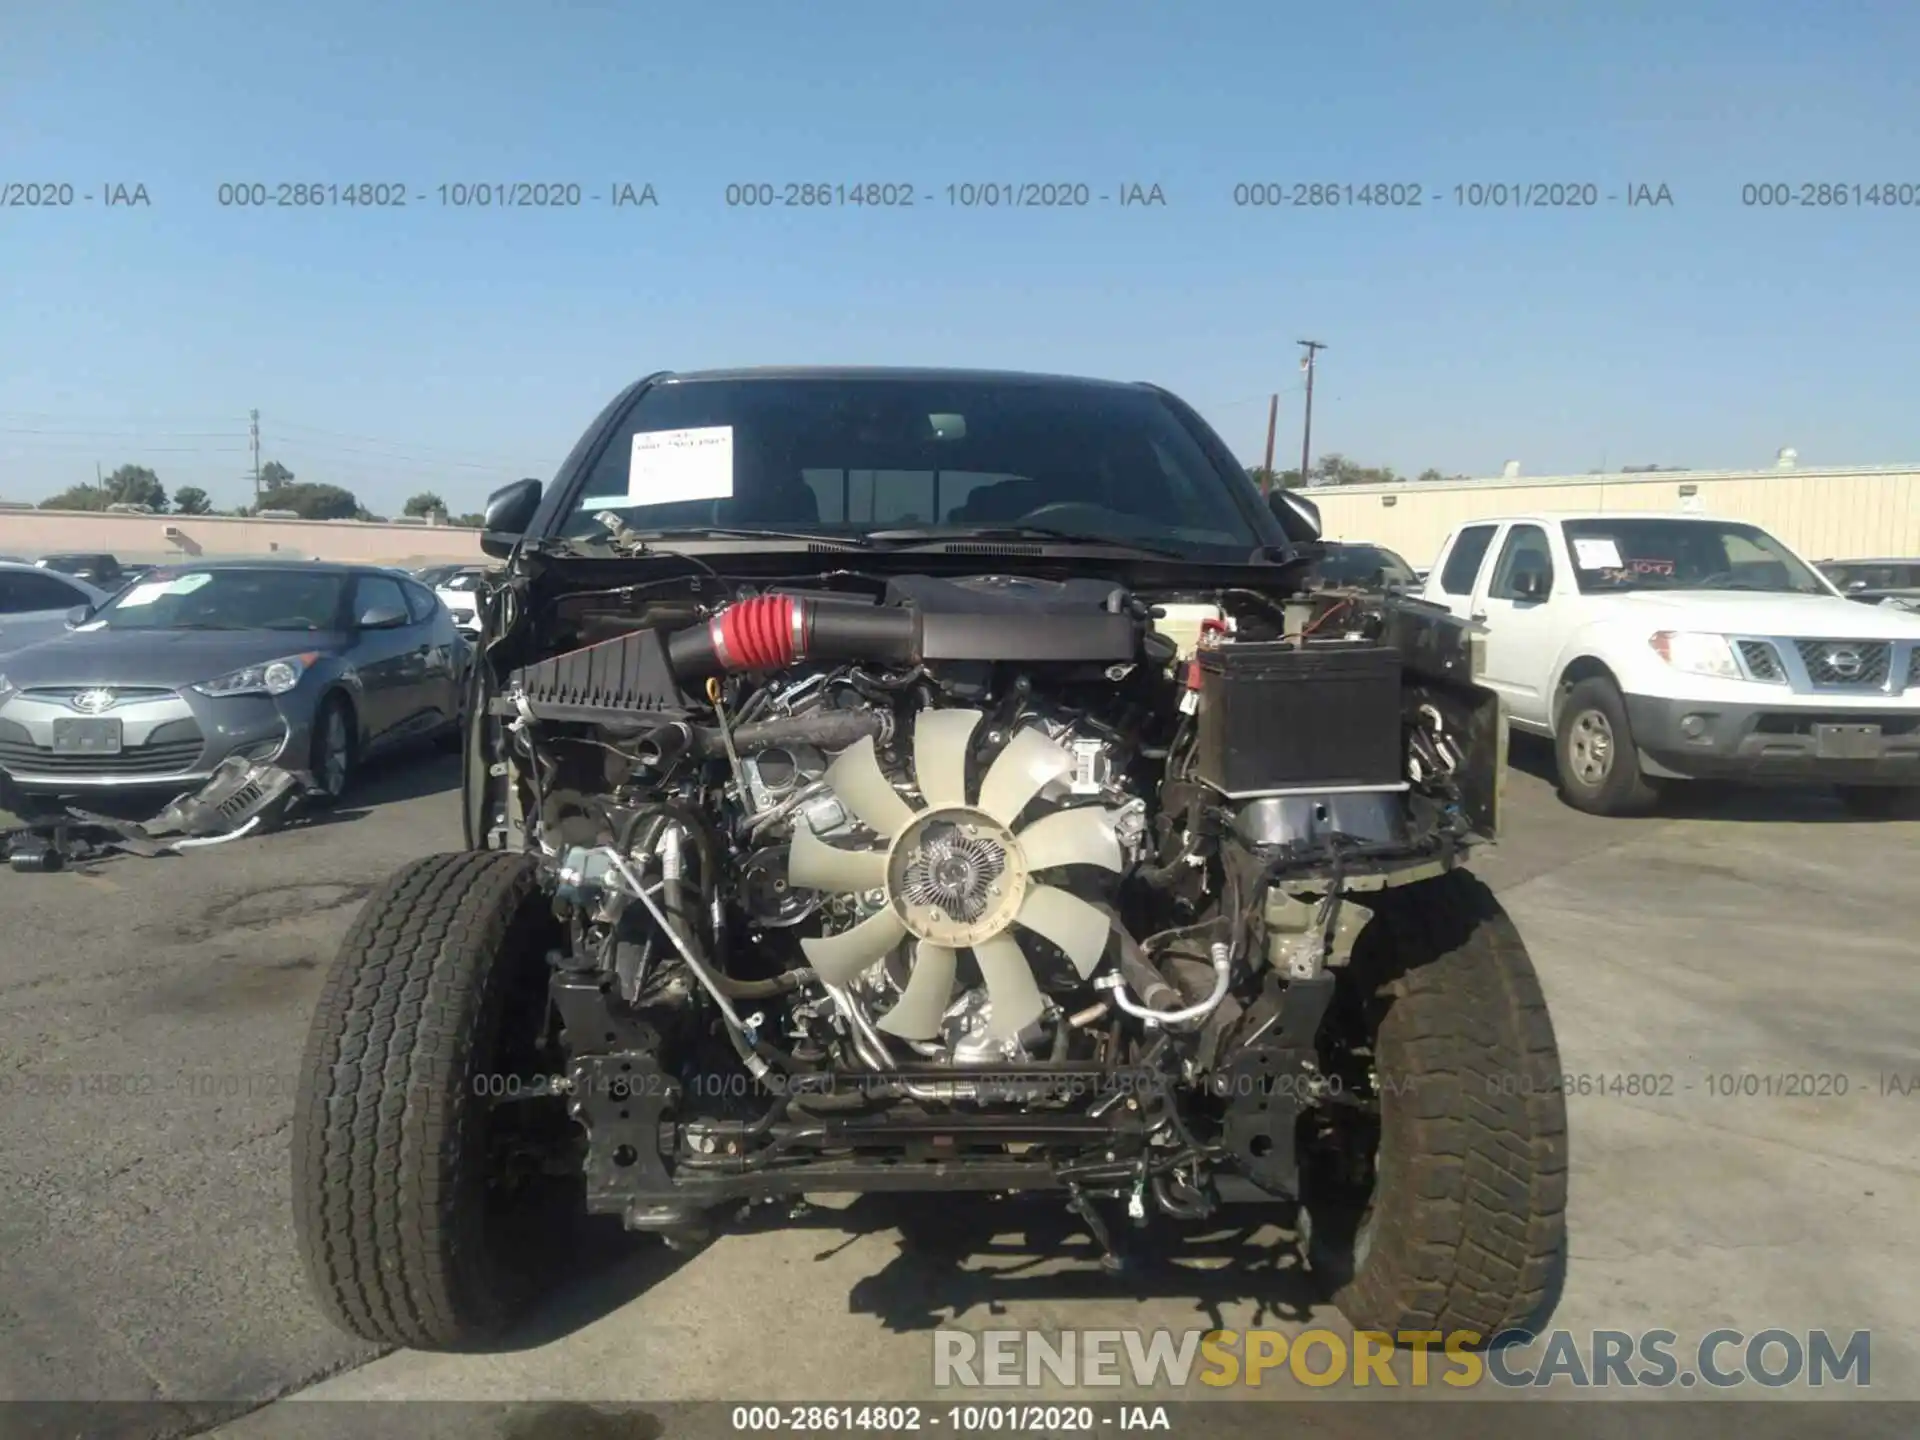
[(1762, 660), (122, 694), (171, 748), (1846, 664)]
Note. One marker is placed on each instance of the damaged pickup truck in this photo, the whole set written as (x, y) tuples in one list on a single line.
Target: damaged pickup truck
[(939, 781)]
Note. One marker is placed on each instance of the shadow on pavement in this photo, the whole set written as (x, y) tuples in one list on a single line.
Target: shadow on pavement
[(974, 1259), (1765, 804)]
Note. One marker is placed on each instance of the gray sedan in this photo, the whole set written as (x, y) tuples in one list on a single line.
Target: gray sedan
[(34, 603), (308, 666)]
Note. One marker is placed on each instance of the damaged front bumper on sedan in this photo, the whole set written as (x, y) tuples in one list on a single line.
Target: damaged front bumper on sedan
[(241, 797)]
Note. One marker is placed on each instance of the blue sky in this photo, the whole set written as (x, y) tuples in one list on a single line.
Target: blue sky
[(451, 349)]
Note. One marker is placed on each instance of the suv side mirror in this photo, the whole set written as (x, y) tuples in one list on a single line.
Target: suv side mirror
[(78, 616), (383, 617), (510, 510), (1299, 517)]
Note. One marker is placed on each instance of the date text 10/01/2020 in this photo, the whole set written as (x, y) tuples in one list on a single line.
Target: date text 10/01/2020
[(458, 195)]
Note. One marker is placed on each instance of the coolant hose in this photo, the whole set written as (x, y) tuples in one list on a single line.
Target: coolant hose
[(1154, 989), (1222, 956)]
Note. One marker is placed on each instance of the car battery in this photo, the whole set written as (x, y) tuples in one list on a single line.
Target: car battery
[(1277, 717)]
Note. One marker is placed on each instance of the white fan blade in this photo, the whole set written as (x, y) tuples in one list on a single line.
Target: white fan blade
[(812, 864), (857, 779), (1013, 1000), (1072, 837), (940, 754), (1017, 773), (923, 1003), (1069, 922), (836, 959)]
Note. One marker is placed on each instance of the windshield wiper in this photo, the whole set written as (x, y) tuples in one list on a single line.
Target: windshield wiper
[(935, 534), (629, 540)]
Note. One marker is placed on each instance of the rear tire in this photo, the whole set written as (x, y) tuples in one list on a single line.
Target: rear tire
[(1881, 802), (1593, 747), (1457, 1221), (407, 1235)]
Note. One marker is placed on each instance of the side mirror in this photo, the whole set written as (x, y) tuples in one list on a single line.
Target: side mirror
[(1299, 517), (78, 616), (510, 510), (383, 617), (1856, 585), (1531, 584)]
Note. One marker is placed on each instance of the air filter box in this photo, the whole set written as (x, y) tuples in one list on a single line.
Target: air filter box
[(1278, 717)]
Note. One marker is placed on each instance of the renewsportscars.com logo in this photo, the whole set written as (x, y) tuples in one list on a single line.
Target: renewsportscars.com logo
[(1148, 1359)]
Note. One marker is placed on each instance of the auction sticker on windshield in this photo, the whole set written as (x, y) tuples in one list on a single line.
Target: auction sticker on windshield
[(1596, 553), (670, 465), (145, 594), (149, 591)]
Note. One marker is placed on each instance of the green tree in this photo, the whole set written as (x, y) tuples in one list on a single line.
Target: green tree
[(192, 500), (135, 485), (76, 497), (312, 502), (425, 503), (273, 475), (470, 521)]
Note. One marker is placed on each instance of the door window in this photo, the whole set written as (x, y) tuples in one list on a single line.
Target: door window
[(379, 593), (22, 592), (1463, 561), (1526, 550)]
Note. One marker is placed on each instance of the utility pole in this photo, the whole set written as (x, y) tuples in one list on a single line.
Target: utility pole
[(1313, 348), (255, 417), (99, 481), (1273, 418)]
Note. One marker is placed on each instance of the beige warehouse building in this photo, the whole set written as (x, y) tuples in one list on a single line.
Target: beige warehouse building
[(1823, 513), (1837, 514)]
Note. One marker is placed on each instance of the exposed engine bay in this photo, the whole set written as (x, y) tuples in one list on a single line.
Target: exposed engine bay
[(887, 881)]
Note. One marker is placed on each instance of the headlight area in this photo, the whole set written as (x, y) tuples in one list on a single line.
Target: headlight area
[(271, 677), (1696, 653)]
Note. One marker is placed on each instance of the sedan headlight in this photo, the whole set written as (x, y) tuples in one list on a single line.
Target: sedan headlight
[(273, 677), (1696, 653)]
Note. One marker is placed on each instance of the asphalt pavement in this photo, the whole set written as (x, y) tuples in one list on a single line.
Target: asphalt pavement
[(152, 1014)]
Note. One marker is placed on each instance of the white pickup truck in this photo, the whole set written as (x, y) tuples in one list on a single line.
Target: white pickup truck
[(1655, 648)]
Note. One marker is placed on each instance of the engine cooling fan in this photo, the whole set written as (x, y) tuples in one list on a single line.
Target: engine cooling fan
[(956, 875)]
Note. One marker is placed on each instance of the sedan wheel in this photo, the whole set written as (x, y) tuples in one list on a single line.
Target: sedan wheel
[(332, 751)]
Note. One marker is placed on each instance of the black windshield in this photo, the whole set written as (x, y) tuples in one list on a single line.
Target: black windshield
[(853, 455)]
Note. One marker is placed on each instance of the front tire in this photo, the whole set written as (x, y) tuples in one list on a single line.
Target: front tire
[(333, 753), (407, 1233), (1457, 1219), (1598, 764)]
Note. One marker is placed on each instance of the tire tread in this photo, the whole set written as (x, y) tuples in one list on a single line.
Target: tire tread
[(1471, 1238), (384, 1119)]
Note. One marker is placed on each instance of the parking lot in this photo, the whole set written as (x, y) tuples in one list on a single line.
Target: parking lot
[(152, 1014)]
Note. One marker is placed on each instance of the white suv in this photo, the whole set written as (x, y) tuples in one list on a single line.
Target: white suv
[(1659, 647)]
